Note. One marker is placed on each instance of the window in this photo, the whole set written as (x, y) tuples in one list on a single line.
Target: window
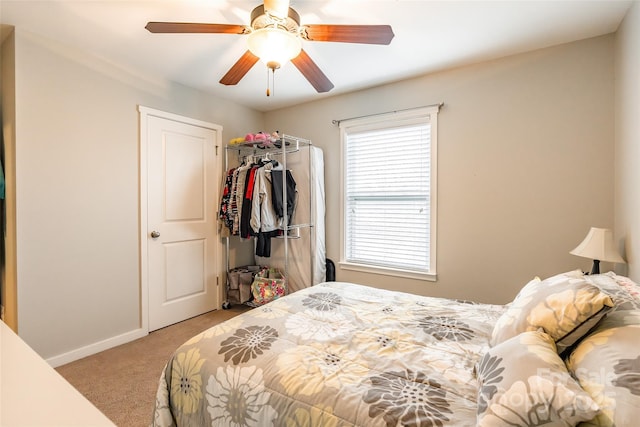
[(388, 182)]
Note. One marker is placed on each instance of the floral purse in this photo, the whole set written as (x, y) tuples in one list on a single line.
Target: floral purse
[(268, 284)]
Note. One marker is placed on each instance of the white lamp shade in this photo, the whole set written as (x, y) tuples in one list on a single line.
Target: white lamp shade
[(598, 245), (274, 46)]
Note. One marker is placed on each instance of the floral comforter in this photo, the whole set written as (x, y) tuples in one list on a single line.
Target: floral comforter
[(336, 354)]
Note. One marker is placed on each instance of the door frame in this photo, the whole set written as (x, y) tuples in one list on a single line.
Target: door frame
[(144, 114)]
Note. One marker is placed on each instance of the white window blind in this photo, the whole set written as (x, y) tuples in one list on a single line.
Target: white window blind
[(388, 194)]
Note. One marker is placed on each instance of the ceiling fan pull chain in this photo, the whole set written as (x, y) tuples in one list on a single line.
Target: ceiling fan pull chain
[(268, 91), (271, 84)]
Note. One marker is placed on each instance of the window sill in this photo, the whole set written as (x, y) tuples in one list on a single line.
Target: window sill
[(431, 277)]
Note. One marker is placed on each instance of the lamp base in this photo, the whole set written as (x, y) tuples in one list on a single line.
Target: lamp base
[(595, 269)]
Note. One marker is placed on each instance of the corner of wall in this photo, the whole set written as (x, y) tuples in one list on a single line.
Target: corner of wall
[(627, 139)]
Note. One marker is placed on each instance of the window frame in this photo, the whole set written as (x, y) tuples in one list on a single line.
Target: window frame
[(386, 121)]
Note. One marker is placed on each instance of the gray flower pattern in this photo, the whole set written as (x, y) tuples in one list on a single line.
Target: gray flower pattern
[(247, 343), (407, 398), (628, 375), (445, 327), (488, 372), (322, 301)]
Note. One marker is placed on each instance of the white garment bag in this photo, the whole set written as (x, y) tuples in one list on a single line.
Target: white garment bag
[(306, 261)]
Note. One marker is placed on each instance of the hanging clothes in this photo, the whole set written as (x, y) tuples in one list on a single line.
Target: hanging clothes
[(264, 221), (292, 195), (263, 214), (252, 204), (237, 195), (263, 242), (245, 213), (224, 213), (233, 193)]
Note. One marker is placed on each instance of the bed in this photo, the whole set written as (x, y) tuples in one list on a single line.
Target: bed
[(343, 354)]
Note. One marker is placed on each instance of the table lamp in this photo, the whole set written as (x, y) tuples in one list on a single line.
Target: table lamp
[(598, 246)]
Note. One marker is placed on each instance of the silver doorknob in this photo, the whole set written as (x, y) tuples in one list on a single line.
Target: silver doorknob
[(155, 234)]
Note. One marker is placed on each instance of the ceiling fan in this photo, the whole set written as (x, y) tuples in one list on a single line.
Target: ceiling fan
[(275, 36)]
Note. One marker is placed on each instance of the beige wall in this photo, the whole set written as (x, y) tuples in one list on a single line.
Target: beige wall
[(627, 141), (77, 190), (525, 153)]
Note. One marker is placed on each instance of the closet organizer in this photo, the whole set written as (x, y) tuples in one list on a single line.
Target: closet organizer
[(297, 248)]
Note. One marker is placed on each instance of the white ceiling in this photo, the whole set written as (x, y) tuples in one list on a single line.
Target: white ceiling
[(429, 36)]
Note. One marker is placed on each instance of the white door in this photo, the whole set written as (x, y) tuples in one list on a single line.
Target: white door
[(182, 246)]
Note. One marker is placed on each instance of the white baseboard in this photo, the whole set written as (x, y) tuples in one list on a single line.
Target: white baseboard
[(97, 347)]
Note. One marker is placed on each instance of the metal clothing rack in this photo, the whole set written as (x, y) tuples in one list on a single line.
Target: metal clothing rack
[(285, 146)]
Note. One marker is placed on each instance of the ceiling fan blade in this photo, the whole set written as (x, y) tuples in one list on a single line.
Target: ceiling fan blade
[(312, 72), (368, 34), (189, 27), (239, 69)]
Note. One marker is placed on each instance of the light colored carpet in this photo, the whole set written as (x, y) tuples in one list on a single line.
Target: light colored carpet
[(122, 381)]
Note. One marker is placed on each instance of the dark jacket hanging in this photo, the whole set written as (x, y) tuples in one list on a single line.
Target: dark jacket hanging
[(276, 190)]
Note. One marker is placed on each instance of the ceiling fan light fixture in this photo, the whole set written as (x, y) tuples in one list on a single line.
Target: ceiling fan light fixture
[(274, 46), (275, 37)]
